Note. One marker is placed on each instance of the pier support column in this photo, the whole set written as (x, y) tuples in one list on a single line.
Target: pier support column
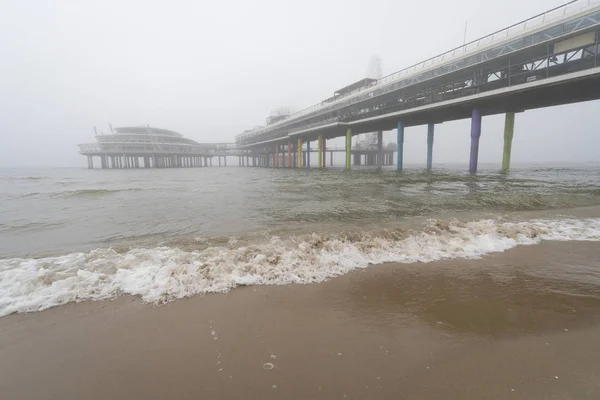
[(348, 148), (324, 152), (509, 128), (379, 149), (430, 128), (400, 146), (289, 163), (320, 151), (299, 159), (308, 154), (294, 155), (276, 155), (475, 135), (331, 158)]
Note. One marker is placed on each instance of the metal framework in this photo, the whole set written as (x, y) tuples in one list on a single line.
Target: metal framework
[(509, 57)]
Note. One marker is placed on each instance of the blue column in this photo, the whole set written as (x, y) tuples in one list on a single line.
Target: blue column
[(308, 154), (400, 144), (475, 134), (429, 145)]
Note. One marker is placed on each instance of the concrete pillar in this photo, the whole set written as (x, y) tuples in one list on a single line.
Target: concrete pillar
[(308, 154), (331, 158), (299, 159), (324, 152), (348, 148), (475, 135), (430, 128), (294, 155), (225, 161), (400, 145), (509, 128), (379, 149), (247, 161), (289, 163), (276, 155)]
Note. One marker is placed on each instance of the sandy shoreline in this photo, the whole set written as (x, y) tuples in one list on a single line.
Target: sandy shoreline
[(522, 324)]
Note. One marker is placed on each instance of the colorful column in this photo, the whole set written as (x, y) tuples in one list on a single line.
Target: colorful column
[(509, 128), (320, 151), (299, 152), (289, 164), (400, 144), (475, 134), (429, 145), (379, 149), (348, 148), (308, 154)]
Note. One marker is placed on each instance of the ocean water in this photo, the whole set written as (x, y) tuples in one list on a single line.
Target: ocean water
[(73, 234)]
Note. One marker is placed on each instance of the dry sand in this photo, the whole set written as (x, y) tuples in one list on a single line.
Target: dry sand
[(524, 324)]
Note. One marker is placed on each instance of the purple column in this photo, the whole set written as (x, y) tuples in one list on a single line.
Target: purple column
[(475, 134)]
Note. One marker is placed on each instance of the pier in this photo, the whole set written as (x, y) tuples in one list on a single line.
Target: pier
[(550, 59), (547, 60)]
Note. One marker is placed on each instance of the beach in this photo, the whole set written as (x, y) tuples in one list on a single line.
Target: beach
[(495, 327), (227, 283)]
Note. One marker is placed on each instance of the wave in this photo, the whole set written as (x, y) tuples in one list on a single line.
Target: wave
[(162, 274)]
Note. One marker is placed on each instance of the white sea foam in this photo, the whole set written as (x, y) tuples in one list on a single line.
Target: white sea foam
[(163, 274)]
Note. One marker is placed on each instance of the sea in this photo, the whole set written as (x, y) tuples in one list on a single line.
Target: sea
[(72, 234)]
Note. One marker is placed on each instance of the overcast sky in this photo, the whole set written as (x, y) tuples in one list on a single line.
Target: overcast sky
[(212, 69)]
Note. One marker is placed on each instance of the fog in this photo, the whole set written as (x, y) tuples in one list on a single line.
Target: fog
[(211, 70)]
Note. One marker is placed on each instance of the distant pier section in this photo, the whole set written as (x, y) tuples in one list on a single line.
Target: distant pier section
[(149, 147)]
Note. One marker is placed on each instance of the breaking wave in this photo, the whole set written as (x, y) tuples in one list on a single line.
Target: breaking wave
[(162, 274)]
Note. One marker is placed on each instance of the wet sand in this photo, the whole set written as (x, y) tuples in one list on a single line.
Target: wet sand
[(524, 324)]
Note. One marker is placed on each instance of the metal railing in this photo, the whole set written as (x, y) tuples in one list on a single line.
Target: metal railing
[(538, 21)]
